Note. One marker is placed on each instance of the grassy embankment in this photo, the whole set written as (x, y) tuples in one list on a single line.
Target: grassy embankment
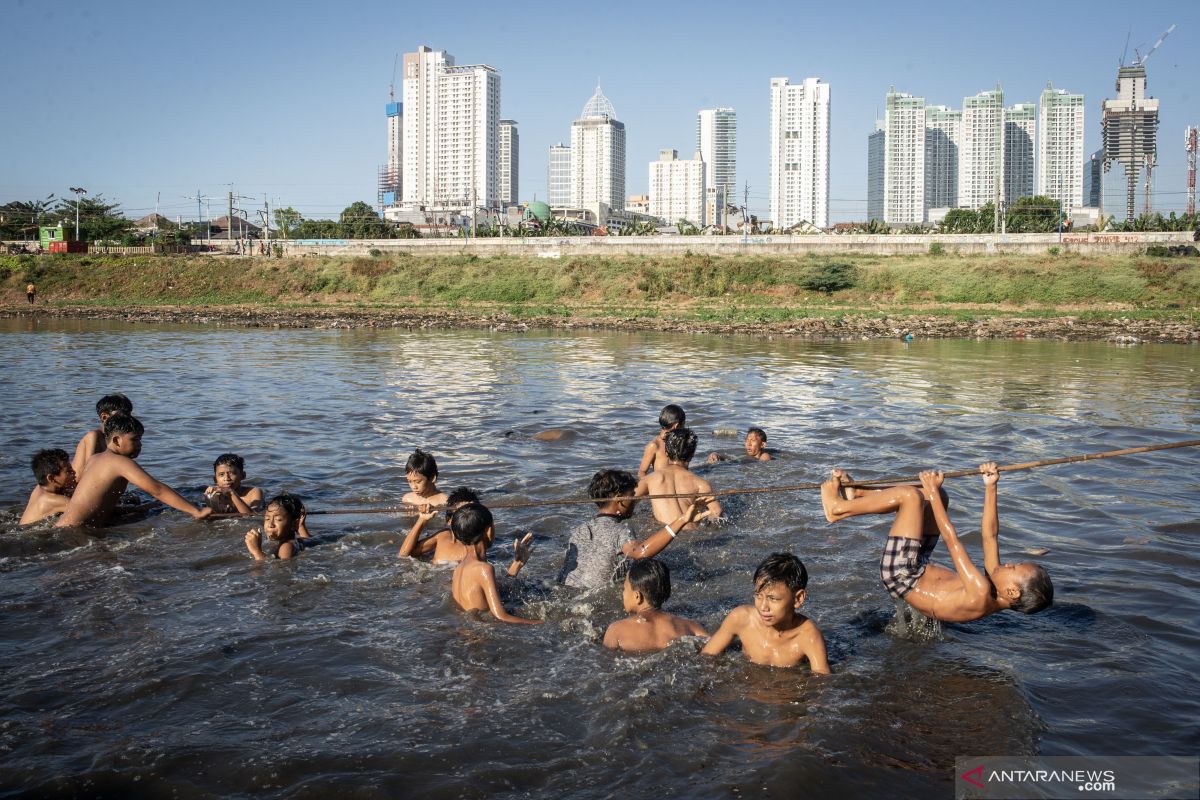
[(691, 287)]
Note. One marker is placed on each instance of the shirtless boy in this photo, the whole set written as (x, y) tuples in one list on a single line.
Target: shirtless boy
[(421, 471), (228, 495), (93, 441), (281, 526), (958, 595), (674, 478), (109, 473), (473, 585), (56, 481), (648, 627), (772, 631), (755, 446), (445, 548), (654, 457)]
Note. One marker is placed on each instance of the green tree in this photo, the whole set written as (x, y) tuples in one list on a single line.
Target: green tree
[(286, 220), (20, 219), (99, 220), (1037, 214), (359, 221)]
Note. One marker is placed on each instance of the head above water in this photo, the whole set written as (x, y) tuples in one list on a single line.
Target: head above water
[(609, 483), (756, 441), (281, 517), (782, 568), (672, 416), (422, 463), (122, 424), (1026, 586), (651, 578), (49, 465), (680, 444), (471, 523), (230, 460), (113, 404)]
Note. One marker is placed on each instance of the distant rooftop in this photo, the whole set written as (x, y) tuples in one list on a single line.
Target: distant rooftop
[(598, 106)]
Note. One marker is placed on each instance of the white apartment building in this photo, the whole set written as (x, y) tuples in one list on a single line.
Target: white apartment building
[(677, 188), (1060, 153), (451, 132), (1020, 123), (981, 151), (799, 157), (598, 156), (943, 132), (558, 177), (875, 171), (904, 159), (716, 140), (510, 161)]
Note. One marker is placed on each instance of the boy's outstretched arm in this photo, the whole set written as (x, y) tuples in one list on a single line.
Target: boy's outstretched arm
[(991, 516), (492, 595), (814, 651), (973, 580), (713, 510), (655, 543), (131, 472), (521, 548), (412, 542), (725, 634)]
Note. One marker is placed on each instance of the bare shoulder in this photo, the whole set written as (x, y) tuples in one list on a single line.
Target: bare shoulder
[(808, 632), (739, 616)]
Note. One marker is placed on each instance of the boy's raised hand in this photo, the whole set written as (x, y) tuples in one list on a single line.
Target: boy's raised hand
[(426, 512), (522, 547), (990, 473), (931, 481)]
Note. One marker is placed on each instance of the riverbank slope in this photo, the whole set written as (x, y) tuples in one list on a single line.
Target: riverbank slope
[(1068, 296)]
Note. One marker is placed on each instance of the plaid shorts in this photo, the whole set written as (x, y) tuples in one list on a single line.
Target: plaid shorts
[(903, 563)]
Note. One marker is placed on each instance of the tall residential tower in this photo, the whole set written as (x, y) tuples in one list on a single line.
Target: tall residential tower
[(904, 159), (716, 140), (981, 151), (510, 162), (598, 156), (1060, 148), (799, 156), (1020, 122)]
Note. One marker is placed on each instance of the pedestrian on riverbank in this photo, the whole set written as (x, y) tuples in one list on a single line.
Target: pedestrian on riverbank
[(30, 292)]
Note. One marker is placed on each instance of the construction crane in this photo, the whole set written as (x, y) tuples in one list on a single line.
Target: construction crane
[(1142, 59), (396, 62)]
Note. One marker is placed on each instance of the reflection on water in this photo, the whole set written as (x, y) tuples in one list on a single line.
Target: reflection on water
[(154, 658)]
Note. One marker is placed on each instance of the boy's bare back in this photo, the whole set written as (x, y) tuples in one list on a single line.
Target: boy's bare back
[(473, 588), (648, 631), (764, 644), (92, 444), (654, 456), (99, 490), (42, 504), (675, 479)]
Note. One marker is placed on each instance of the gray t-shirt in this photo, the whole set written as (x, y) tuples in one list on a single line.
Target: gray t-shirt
[(594, 558)]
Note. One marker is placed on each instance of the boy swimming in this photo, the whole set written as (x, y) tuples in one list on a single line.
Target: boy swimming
[(959, 595), (227, 495), (597, 549), (445, 548), (648, 627), (755, 446), (421, 471), (282, 521), (673, 477), (93, 441), (772, 631), (473, 585), (654, 456), (109, 473), (55, 483)]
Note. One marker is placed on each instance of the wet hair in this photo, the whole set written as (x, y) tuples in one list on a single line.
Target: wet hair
[(113, 404), (782, 568), (609, 483), (121, 424), (48, 462), (470, 523), (671, 415), (292, 505), (680, 444), (422, 463), (230, 460), (759, 432), (1036, 594), (462, 495), (652, 578)]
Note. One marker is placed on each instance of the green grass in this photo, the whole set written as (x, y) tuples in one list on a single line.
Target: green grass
[(743, 288)]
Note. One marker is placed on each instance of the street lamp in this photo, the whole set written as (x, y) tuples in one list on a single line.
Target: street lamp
[(79, 193)]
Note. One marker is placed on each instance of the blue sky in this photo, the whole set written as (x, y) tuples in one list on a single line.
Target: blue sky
[(140, 100)]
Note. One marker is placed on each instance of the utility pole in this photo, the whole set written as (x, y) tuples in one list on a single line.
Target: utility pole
[(79, 193), (229, 227), (746, 213)]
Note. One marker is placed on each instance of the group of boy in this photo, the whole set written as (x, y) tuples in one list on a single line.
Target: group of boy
[(88, 489)]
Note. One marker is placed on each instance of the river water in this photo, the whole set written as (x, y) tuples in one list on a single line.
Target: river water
[(154, 659)]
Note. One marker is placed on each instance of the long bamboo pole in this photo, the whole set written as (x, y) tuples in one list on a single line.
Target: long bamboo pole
[(565, 501)]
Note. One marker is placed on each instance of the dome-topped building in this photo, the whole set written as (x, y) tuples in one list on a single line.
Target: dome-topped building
[(598, 156), (598, 106)]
